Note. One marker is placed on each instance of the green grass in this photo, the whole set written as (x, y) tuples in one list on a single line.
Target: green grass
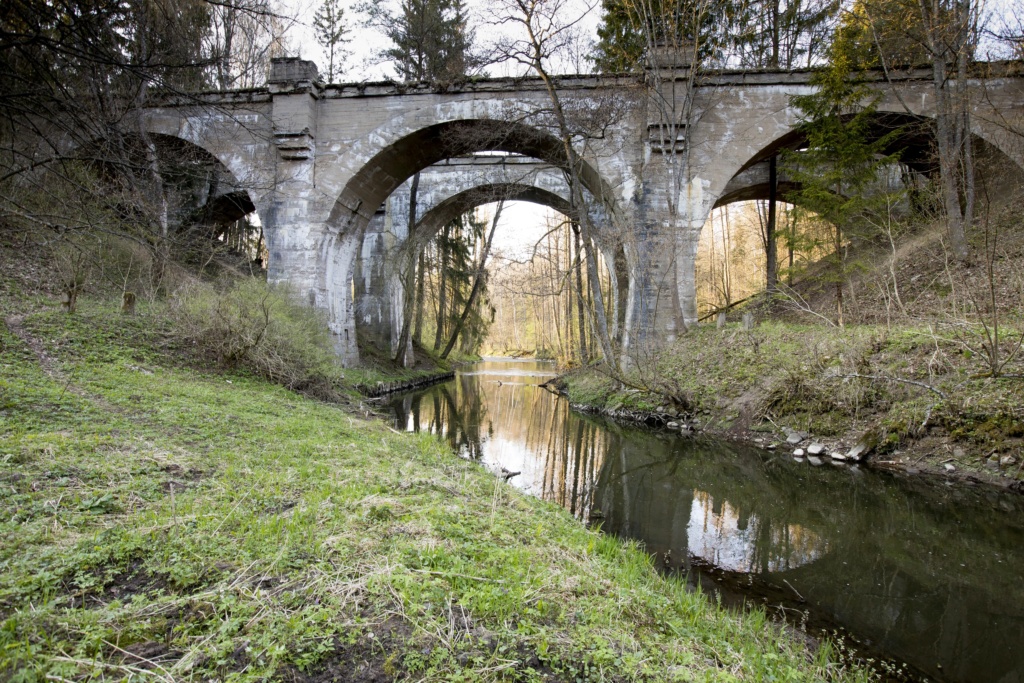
[(164, 522)]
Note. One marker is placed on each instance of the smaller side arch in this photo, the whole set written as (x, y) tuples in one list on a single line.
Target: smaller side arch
[(239, 141)]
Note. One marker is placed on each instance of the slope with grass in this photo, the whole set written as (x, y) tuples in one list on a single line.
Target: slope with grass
[(929, 368), (165, 521)]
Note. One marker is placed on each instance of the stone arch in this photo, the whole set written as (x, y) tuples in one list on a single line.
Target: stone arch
[(205, 191), (462, 202), (915, 141), (235, 141), (396, 161), (724, 180), (778, 130), (400, 149)]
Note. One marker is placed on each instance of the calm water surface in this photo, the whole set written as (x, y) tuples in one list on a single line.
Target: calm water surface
[(920, 571)]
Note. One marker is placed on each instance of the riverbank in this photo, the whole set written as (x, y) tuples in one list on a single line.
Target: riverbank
[(911, 398), (166, 519)]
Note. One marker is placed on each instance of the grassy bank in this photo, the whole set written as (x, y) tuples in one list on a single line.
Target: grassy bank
[(922, 396), (163, 521)]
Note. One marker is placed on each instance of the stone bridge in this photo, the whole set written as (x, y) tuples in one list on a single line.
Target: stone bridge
[(319, 163)]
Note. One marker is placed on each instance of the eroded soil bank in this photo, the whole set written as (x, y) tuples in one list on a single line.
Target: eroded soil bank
[(914, 399)]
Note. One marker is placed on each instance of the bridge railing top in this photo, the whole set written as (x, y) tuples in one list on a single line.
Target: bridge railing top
[(716, 78)]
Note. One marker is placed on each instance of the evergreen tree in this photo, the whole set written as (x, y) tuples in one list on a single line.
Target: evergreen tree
[(882, 33), (843, 169), (430, 39), (620, 47), (329, 25), (629, 27), (780, 34)]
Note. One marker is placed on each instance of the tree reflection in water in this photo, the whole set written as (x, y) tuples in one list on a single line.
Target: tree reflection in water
[(501, 417)]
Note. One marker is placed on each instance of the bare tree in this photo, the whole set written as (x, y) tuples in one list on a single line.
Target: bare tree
[(545, 34), (950, 34), (242, 38)]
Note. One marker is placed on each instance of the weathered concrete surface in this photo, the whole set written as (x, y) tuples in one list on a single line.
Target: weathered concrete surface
[(320, 161)]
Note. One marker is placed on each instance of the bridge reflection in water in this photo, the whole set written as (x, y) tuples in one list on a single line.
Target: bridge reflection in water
[(926, 573)]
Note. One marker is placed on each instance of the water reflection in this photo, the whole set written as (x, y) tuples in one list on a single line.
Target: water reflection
[(498, 414), (733, 539), (926, 573)]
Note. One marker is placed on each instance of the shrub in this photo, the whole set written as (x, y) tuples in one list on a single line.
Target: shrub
[(260, 327)]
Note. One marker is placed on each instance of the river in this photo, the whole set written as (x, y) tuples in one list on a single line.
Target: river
[(919, 571)]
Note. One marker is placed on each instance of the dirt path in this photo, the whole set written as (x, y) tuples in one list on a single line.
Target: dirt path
[(51, 366)]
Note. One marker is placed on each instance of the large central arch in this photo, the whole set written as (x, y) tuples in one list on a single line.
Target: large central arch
[(400, 160), (394, 163)]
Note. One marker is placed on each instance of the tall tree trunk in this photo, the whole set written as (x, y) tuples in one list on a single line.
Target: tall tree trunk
[(402, 355), (581, 303), (841, 276), (571, 347), (771, 241), (774, 63), (620, 274), (967, 140), (420, 293), (161, 241), (478, 281), (552, 265), (951, 115), (442, 290), (161, 245), (791, 226)]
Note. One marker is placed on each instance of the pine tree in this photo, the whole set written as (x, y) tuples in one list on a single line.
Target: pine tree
[(329, 25), (430, 39), (629, 27), (841, 168), (620, 47), (882, 33), (781, 34)]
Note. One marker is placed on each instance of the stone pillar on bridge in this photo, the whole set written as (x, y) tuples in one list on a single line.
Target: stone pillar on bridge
[(295, 235), (670, 216), (378, 289), (669, 209)]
